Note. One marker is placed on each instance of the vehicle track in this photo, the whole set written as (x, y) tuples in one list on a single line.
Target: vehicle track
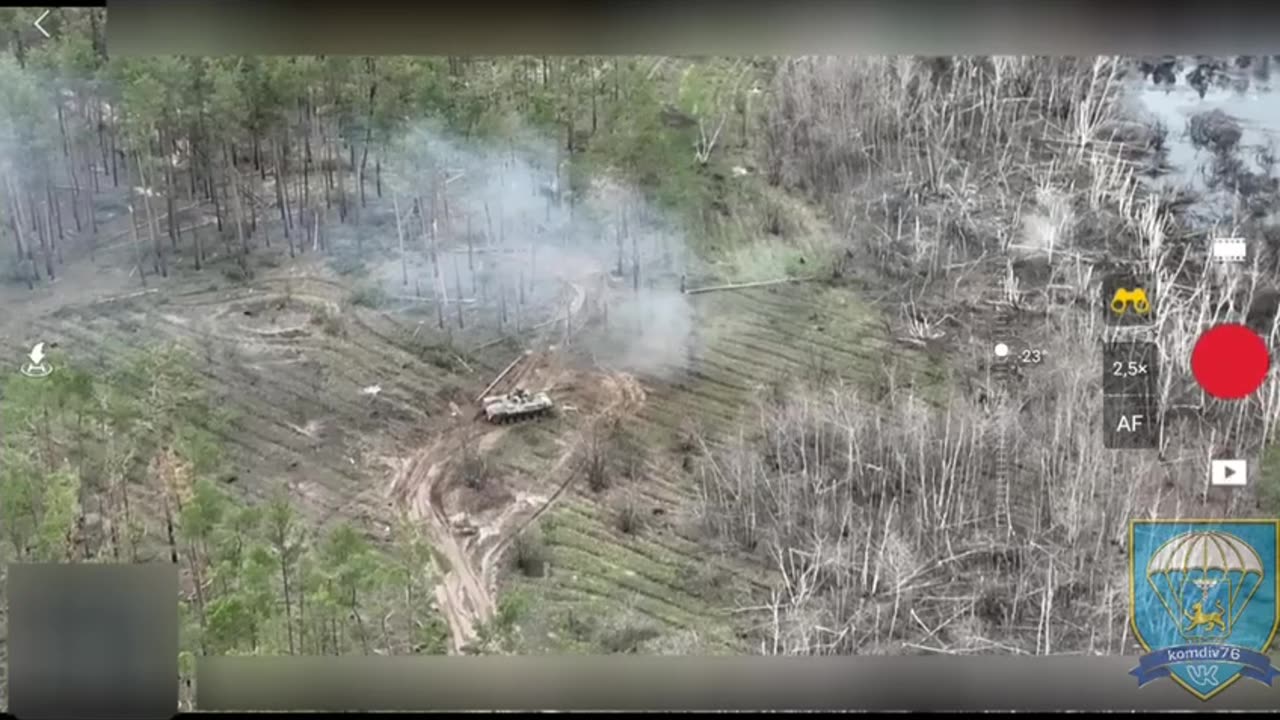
[(465, 592)]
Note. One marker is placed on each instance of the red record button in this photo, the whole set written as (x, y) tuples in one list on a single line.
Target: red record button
[(1230, 361)]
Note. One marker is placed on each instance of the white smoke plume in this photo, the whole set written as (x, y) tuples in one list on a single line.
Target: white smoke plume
[(516, 195)]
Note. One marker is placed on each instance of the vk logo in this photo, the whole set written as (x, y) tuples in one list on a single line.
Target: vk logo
[(1204, 675)]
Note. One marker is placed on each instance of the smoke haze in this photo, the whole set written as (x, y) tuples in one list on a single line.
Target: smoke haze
[(536, 237)]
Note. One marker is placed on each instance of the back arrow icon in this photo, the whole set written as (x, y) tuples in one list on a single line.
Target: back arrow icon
[(43, 15)]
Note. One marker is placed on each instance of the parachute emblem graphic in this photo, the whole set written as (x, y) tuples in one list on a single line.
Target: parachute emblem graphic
[(1225, 571), (1204, 600)]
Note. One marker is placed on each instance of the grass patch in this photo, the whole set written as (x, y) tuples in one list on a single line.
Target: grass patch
[(708, 581), (474, 469), (1269, 480), (271, 261), (766, 261), (611, 453), (349, 265), (329, 322), (369, 296), (236, 273), (628, 637), (441, 561), (629, 517), (441, 357), (531, 554)]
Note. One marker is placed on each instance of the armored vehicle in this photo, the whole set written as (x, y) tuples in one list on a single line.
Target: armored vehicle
[(516, 406), (463, 525)]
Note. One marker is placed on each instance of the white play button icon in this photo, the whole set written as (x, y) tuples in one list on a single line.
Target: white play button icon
[(1228, 472)]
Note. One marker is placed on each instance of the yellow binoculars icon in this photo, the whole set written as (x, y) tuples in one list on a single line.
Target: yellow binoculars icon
[(1126, 298)]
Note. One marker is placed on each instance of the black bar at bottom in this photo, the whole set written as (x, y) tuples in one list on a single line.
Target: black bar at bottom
[(920, 683)]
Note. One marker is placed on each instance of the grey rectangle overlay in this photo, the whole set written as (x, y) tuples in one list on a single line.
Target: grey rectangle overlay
[(1130, 422), (1130, 368), (93, 641), (622, 682), (692, 27)]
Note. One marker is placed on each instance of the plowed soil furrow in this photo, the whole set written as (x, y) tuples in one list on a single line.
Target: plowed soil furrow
[(465, 589)]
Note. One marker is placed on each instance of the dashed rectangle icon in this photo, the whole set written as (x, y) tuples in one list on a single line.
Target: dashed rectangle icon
[(1230, 250)]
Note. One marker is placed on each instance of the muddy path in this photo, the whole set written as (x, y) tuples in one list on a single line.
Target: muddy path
[(472, 552), (271, 320), (461, 597), (624, 396)]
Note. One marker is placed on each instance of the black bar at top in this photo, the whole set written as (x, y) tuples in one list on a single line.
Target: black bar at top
[(692, 27)]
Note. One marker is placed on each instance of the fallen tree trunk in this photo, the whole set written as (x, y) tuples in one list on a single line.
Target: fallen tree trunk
[(489, 251), (743, 286), (126, 296), (446, 301), (121, 237), (503, 374)]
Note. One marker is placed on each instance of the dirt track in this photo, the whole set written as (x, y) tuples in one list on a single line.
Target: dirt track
[(466, 591), (461, 595), (465, 594)]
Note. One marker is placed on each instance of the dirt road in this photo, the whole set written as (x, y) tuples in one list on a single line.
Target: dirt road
[(466, 590), (461, 595)]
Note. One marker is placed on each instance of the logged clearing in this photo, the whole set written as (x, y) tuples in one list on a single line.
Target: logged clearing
[(363, 413), (655, 574)]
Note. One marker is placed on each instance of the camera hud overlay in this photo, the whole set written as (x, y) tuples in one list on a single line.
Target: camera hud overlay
[(618, 354)]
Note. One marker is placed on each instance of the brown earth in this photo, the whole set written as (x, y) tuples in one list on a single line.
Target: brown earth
[(428, 485)]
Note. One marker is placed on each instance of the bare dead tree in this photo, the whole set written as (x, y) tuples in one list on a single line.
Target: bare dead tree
[(404, 260), (878, 522), (457, 284)]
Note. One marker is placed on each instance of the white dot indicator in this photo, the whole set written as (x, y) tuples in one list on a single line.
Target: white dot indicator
[(1002, 350)]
